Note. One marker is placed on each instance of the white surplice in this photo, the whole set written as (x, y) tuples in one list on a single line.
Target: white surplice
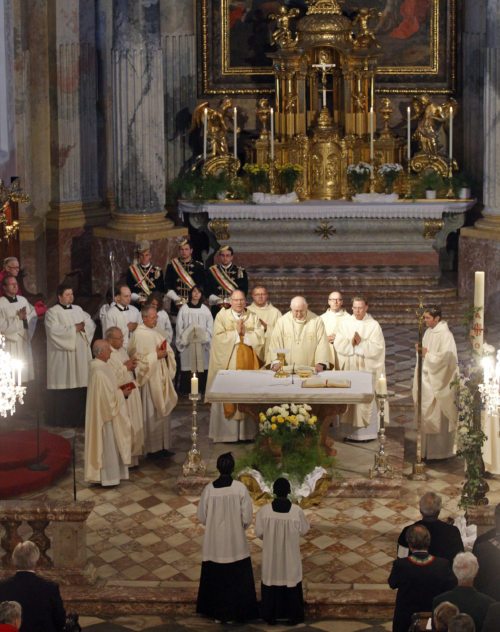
[(368, 355), (280, 532), (193, 335), (17, 336), (439, 410), (305, 341), (226, 512), (333, 322), (68, 350), (107, 428), (154, 377), (268, 314), (164, 326), (117, 316)]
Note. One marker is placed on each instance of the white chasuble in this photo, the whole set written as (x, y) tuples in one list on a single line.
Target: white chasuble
[(439, 411), (68, 350), (333, 322), (17, 336), (305, 341), (269, 315)]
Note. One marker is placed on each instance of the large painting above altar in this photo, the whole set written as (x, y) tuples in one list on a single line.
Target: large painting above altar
[(234, 39)]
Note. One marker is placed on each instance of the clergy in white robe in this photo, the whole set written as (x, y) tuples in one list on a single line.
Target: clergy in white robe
[(301, 335), (439, 370), (238, 343), (280, 525), (265, 312), (227, 589), (123, 366), (18, 321), (361, 341), (155, 371), (163, 324), (194, 329), (122, 314), (107, 425), (333, 318)]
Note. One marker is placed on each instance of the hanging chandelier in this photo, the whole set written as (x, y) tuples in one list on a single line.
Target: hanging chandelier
[(11, 390), (490, 388)]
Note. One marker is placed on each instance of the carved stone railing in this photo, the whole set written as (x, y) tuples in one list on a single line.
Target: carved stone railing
[(63, 555)]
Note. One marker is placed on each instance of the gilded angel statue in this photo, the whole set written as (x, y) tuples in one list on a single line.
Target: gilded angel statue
[(283, 35), (431, 118), (217, 125)]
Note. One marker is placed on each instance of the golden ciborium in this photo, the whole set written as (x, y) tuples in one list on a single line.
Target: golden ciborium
[(281, 355)]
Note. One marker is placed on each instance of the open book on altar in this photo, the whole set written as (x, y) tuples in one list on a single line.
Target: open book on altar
[(323, 382)]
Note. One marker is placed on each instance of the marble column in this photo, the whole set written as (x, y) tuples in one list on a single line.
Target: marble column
[(138, 115), (480, 246), (75, 204)]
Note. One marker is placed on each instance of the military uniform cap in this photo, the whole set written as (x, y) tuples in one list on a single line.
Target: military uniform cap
[(226, 249), (183, 241), (142, 246)]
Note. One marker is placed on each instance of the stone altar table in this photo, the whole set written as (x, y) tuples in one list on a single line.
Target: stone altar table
[(404, 232)]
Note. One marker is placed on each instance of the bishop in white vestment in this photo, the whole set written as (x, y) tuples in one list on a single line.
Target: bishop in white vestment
[(155, 371), (265, 311), (333, 318), (439, 369), (361, 341), (18, 321), (107, 425)]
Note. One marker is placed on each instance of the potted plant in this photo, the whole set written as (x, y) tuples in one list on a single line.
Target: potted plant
[(289, 174), (389, 172), (431, 182), (359, 175), (461, 186), (258, 177)]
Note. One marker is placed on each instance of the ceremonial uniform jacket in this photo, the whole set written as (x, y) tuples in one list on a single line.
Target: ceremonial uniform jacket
[(144, 281), (181, 276), (223, 281)]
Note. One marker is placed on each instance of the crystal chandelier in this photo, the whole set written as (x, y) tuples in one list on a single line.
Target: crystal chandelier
[(11, 390), (490, 388)]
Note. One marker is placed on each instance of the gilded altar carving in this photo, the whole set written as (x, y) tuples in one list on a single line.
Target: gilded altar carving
[(220, 228), (432, 228)]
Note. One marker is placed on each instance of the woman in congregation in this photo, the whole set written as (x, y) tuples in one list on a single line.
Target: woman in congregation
[(194, 330), (280, 525), (227, 590)]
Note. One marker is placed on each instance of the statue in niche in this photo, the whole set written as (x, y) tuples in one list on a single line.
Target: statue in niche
[(282, 36), (431, 118), (365, 38), (360, 102), (291, 102), (217, 125)]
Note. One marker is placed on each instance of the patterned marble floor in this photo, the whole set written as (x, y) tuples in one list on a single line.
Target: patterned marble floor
[(142, 534)]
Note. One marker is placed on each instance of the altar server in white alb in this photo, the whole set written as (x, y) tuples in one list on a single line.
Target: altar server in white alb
[(108, 432), (155, 371), (123, 367), (17, 323), (361, 342), (280, 525), (333, 318), (439, 370), (238, 343), (302, 335), (194, 328), (69, 335), (265, 311), (122, 314)]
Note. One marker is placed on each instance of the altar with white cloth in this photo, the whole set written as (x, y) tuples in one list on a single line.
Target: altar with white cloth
[(256, 390)]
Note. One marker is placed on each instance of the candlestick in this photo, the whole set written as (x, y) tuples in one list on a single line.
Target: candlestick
[(235, 132), (372, 152), (382, 385), (451, 134), (205, 125), (372, 93), (272, 133), (194, 385), (408, 134), (478, 323), (194, 464)]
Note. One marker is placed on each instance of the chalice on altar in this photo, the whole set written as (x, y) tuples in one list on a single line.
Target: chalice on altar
[(281, 355)]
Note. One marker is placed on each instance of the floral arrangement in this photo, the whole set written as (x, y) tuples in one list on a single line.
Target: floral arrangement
[(359, 175), (287, 418), (289, 174), (258, 176), (390, 172)]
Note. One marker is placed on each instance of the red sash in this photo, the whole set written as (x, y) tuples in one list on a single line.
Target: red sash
[(223, 279), (182, 273)]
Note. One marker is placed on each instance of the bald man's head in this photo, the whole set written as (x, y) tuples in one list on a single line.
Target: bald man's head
[(101, 350), (238, 301), (298, 307)]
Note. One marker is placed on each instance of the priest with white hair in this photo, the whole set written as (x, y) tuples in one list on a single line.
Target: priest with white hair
[(302, 337)]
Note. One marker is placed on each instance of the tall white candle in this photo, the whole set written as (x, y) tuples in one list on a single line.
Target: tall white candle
[(372, 93), (235, 132), (205, 126), (408, 135), (382, 385), (451, 134), (194, 385), (272, 133), (324, 96), (372, 127), (478, 324)]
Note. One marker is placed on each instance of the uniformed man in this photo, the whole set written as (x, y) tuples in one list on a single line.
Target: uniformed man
[(224, 278), (143, 277), (182, 274)]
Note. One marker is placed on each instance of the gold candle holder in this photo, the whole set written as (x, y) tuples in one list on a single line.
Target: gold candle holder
[(381, 467), (194, 464)]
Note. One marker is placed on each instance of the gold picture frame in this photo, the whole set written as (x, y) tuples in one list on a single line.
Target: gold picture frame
[(234, 39)]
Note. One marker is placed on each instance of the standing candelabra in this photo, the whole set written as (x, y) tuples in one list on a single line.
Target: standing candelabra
[(381, 467), (194, 464), (418, 472)]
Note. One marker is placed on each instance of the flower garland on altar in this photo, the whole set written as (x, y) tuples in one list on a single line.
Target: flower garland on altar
[(279, 420)]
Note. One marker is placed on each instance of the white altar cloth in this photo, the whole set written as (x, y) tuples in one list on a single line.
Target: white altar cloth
[(261, 387)]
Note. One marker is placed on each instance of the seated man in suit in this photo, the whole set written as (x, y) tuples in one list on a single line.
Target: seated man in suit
[(10, 616), (40, 599)]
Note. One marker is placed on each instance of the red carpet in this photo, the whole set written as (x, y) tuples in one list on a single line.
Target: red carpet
[(18, 450)]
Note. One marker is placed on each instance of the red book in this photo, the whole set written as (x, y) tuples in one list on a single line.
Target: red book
[(163, 346), (128, 385)]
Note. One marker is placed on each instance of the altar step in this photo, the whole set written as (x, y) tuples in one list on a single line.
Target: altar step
[(393, 292)]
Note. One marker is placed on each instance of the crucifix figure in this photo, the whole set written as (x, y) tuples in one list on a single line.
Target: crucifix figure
[(324, 68)]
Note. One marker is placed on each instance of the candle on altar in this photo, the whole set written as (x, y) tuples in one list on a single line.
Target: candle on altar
[(382, 385), (272, 133), (205, 126), (372, 93), (235, 132), (451, 134), (408, 135), (372, 152), (324, 95), (194, 385), (478, 324)]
